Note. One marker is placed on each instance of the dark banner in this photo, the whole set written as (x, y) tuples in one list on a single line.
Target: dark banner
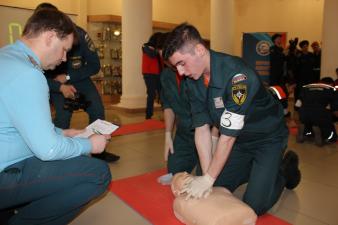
[(256, 51)]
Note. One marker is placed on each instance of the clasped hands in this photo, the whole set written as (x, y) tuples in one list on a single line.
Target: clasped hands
[(197, 186)]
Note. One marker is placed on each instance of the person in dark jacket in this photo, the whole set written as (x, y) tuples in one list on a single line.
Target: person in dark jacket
[(317, 54), (318, 102), (226, 93), (305, 64), (151, 69), (277, 62), (72, 79), (278, 71)]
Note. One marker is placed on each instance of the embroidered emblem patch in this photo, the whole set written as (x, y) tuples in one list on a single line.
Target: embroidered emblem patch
[(238, 78), (239, 93), (218, 102), (90, 43), (76, 62)]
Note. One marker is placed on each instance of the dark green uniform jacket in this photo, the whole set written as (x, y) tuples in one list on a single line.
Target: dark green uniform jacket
[(235, 101), (174, 96)]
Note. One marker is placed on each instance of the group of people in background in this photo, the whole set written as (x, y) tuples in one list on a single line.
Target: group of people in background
[(294, 66), (298, 70)]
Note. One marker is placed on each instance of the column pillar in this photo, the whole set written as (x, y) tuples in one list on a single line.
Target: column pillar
[(222, 25), (329, 61), (82, 14), (136, 29)]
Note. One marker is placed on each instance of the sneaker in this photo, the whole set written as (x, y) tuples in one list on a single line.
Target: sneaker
[(318, 136), (106, 156), (290, 170), (300, 134), (332, 138)]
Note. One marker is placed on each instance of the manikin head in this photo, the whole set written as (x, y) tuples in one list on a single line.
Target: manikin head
[(185, 50)]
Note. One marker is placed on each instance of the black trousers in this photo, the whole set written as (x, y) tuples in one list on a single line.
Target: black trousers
[(153, 86)]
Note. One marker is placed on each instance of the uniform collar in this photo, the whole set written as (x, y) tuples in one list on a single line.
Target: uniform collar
[(31, 56), (216, 76)]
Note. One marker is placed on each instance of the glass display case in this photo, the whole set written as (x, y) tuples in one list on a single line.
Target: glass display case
[(107, 39)]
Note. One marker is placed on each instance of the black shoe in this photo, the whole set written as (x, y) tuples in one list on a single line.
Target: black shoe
[(287, 115), (332, 139), (290, 170), (106, 156), (5, 215)]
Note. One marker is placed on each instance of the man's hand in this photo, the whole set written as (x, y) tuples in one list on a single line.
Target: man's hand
[(198, 186), (98, 142), (72, 132), (168, 145), (67, 90), (62, 78)]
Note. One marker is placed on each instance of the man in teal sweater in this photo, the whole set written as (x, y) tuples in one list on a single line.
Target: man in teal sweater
[(43, 168)]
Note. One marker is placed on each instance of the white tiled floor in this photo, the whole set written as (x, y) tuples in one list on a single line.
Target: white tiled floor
[(313, 202)]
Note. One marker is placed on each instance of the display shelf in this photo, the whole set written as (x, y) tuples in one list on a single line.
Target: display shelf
[(105, 31), (108, 44)]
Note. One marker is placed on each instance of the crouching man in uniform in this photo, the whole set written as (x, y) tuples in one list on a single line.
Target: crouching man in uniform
[(226, 93), (318, 103)]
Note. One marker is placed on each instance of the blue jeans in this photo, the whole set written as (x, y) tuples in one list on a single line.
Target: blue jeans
[(52, 192)]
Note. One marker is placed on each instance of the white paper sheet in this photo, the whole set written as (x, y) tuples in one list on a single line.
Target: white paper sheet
[(98, 127)]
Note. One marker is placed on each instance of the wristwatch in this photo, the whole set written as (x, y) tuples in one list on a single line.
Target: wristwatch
[(67, 77)]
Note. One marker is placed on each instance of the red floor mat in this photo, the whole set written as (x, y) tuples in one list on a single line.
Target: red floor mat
[(147, 125), (154, 201)]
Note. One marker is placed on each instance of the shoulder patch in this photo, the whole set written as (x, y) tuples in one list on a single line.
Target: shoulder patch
[(90, 43), (35, 64), (238, 78), (239, 93)]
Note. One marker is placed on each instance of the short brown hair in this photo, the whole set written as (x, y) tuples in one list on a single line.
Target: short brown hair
[(49, 20), (182, 35)]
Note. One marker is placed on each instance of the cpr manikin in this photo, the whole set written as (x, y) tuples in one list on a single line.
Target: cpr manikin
[(219, 208)]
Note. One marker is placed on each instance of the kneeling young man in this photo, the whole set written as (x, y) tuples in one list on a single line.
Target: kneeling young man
[(225, 92)]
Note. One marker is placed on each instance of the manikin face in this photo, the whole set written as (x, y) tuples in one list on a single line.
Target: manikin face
[(56, 50), (190, 63)]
